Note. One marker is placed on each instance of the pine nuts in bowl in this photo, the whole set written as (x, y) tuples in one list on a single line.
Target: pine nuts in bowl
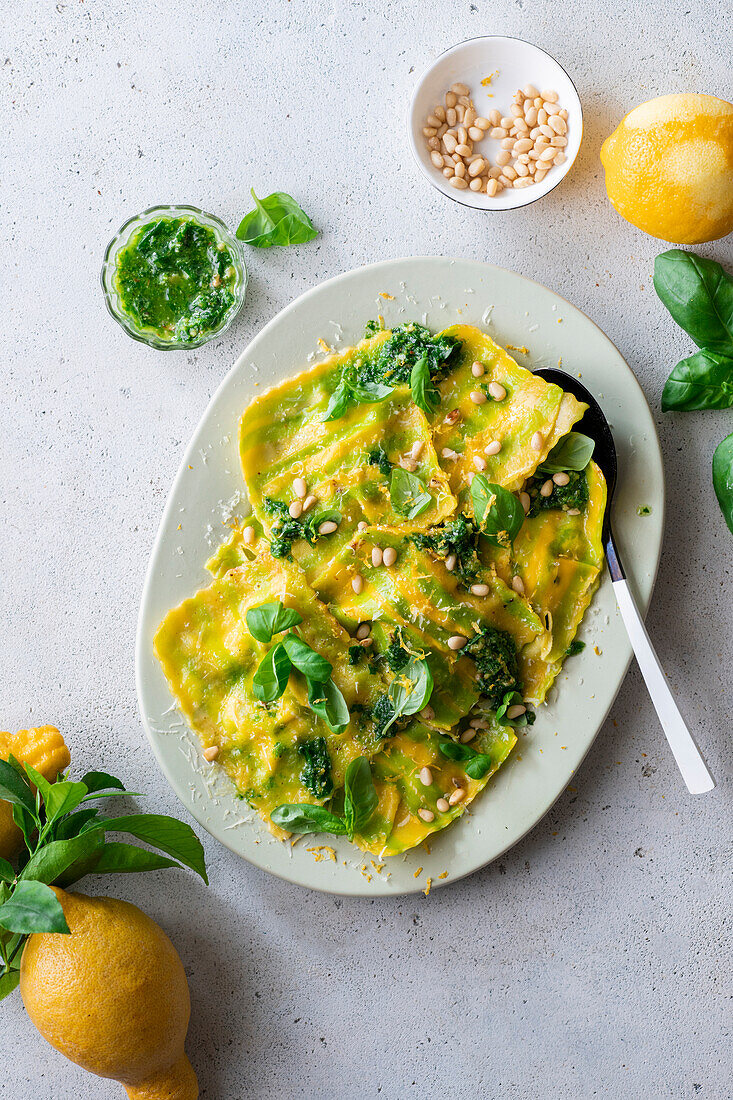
[(502, 117)]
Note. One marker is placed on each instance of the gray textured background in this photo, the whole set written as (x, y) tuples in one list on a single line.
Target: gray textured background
[(592, 960)]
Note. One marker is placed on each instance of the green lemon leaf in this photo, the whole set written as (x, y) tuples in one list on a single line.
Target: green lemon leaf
[(38, 780), (271, 678), (573, 452), (8, 983), (170, 835), (73, 824), (424, 393), (7, 874), (51, 860), (702, 381), (271, 618), (498, 512), (699, 295), (27, 822), (276, 220), (408, 493), (14, 788), (360, 795), (102, 781), (301, 817), (306, 660), (117, 858), (63, 797), (33, 908), (327, 701), (723, 478)]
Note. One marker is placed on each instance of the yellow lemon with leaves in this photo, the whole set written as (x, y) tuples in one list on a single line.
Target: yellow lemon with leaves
[(112, 996), (669, 168)]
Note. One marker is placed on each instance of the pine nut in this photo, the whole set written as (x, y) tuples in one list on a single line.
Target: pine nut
[(521, 170), (523, 159), (563, 115), (542, 117), (436, 159), (464, 150), (439, 112), (547, 487), (450, 562), (448, 161), (515, 711), (477, 369), (248, 534), (523, 145), (532, 165), (460, 112), (416, 449), (426, 777), (551, 96), (480, 589), (468, 735), (475, 134), (462, 135), (432, 120), (408, 463), (523, 181), (376, 556), (507, 122), (427, 713), (525, 502), (498, 132), (478, 397), (443, 129), (426, 815), (458, 182), (537, 441), (299, 487), (328, 527), (450, 143), (450, 100), (458, 795), (530, 92), (459, 88), (547, 131), (521, 126), (518, 585), (479, 463), (357, 583), (362, 526), (509, 173), (476, 184), (515, 110), (389, 557), (429, 131), (363, 631), (531, 116), (211, 753), (492, 448), (476, 167), (558, 142), (448, 173), (573, 511), (561, 478), (534, 134), (483, 123), (548, 154), (479, 724), (443, 805), (469, 117), (537, 101), (295, 509), (494, 172), (560, 158), (450, 115), (366, 643), (495, 117), (540, 174), (558, 124), (460, 170), (434, 145), (497, 391), (448, 453), (456, 642), (503, 157)]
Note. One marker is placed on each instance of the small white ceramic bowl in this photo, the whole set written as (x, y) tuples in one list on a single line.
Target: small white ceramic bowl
[(511, 63)]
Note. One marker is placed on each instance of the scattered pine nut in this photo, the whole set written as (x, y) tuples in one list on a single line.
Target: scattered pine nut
[(248, 534), (479, 589), (497, 391), (327, 527), (458, 795), (426, 777), (492, 448), (211, 753), (479, 463), (456, 642), (561, 478), (518, 585), (357, 583), (537, 441), (376, 556), (443, 805), (478, 397), (515, 711), (295, 509), (525, 501), (389, 557), (363, 631), (450, 562), (426, 815), (309, 501)]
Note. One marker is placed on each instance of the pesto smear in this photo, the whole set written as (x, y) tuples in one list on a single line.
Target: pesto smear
[(176, 278)]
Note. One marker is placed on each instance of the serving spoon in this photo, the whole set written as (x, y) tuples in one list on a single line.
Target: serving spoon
[(686, 753)]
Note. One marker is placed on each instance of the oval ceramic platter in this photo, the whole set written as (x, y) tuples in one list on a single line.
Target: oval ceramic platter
[(209, 491)]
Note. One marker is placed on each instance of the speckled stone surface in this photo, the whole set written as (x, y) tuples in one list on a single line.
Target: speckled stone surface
[(593, 959)]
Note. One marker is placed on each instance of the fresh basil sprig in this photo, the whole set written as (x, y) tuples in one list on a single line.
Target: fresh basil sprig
[(64, 842), (360, 802), (573, 452), (410, 690), (408, 493), (271, 618), (351, 392), (476, 764), (511, 698), (498, 512), (424, 393), (276, 219), (699, 295)]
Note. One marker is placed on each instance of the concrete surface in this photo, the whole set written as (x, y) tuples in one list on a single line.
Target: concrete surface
[(593, 960)]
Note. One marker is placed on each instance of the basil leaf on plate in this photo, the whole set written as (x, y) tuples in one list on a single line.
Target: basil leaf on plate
[(476, 764), (360, 795), (306, 660), (699, 295), (33, 907), (410, 690), (723, 478), (277, 220), (271, 678), (271, 618), (408, 493), (339, 402), (424, 393), (498, 512), (301, 817), (326, 700), (702, 381), (573, 452)]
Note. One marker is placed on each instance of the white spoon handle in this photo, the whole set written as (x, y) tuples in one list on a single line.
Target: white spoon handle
[(685, 751)]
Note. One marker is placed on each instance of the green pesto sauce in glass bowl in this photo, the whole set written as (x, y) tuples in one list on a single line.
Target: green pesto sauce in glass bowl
[(176, 278)]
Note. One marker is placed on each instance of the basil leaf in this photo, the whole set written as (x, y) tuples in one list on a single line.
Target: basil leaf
[(306, 660), (339, 401), (370, 392), (15, 789), (476, 763), (512, 698), (276, 219), (723, 478), (170, 835), (8, 983), (424, 393), (33, 908), (702, 381), (360, 795), (327, 701), (498, 512), (479, 766), (699, 295), (51, 860), (102, 781), (408, 493), (573, 452), (7, 874), (117, 858), (271, 678), (410, 690), (301, 817), (63, 797), (271, 618)]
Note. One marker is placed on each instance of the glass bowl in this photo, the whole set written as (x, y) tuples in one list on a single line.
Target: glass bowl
[(119, 241)]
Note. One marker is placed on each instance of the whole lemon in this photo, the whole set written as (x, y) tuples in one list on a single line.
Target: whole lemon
[(112, 997), (669, 167)]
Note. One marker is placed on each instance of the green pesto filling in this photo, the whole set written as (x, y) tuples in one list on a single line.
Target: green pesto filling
[(393, 363), (316, 773), (495, 654), (572, 495), (458, 537)]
